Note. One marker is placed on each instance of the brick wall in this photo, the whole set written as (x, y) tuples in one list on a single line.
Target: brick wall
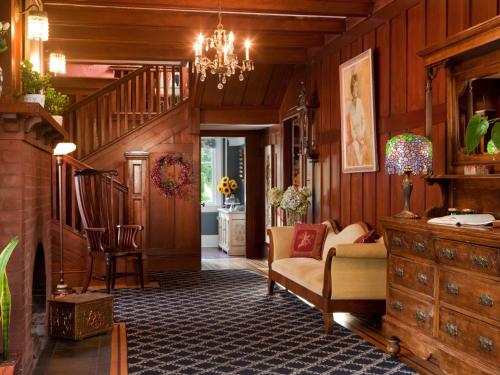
[(25, 211)]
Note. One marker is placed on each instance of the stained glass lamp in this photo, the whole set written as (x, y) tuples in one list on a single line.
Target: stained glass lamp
[(408, 154)]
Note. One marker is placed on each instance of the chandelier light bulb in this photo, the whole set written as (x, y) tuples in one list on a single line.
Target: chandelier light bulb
[(247, 49), (201, 39)]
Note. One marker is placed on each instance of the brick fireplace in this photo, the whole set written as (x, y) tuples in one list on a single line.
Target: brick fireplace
[(27, 136)]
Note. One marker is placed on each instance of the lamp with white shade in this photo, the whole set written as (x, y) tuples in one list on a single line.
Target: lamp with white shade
[(62, 149)]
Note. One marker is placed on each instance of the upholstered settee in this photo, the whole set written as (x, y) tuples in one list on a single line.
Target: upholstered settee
[(350, 277)]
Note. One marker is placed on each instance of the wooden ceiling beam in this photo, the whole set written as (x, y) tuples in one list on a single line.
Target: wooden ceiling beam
[(344, 8), (176, 38), (62, 15), (109, 52)]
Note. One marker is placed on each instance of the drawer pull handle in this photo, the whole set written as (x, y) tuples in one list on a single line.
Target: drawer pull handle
[(396, 241), (486, 300), (452, 289), (420, 316), (448, 253), (485, 344), (397, 305), (399, 272), (451, 329), (422, 278), (480, 260), (420, 247)]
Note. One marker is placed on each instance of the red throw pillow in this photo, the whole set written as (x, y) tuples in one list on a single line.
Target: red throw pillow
[(369, 237), (308, 240)]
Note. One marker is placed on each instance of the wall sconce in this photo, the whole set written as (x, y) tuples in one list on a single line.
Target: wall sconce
[(57, 63), (38, 24)]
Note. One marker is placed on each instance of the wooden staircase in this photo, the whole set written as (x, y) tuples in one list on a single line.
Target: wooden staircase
[(127, 104)]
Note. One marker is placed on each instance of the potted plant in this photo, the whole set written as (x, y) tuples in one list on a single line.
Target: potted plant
[(55, 103), (8, 363), (476, 129), (33, 83), (227, 187)]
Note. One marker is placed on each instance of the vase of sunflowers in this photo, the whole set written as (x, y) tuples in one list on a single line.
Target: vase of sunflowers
[(227, 187)]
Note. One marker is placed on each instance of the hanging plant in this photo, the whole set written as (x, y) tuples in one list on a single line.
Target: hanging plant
[(177, 186)]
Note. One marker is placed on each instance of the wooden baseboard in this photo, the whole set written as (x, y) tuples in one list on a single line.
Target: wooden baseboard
[(119, 364)]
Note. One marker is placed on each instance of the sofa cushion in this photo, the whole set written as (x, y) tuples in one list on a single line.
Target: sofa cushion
[(351, 278), (348, 235), (369, 237), (307, 272), (308, 240)]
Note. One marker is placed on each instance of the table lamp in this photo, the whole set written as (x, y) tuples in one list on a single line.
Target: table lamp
[(408, 154), (62, 149)]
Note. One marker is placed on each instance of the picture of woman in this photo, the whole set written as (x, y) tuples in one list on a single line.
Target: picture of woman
[(358, 125)]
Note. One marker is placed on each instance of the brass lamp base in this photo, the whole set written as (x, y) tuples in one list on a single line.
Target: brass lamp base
[(407, 188), (63, 289), (405, 214)]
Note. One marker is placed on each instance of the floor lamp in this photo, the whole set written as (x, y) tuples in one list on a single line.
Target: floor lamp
[(62, 149)]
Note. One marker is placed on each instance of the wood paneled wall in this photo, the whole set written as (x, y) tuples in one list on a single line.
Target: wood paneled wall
[(395, 35)]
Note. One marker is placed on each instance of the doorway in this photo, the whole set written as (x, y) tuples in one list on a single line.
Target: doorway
[(223, 197)]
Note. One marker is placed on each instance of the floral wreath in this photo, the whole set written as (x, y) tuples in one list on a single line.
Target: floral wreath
[(177, 187)]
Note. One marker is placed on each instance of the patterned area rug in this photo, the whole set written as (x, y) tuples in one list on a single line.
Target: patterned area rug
[(222, 322)]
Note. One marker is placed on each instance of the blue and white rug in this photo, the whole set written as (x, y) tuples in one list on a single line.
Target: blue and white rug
[(223, 322)]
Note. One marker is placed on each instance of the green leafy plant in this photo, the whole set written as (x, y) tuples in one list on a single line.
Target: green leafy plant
[(5, 297), (55, 102), (476, 130), (33, 82)]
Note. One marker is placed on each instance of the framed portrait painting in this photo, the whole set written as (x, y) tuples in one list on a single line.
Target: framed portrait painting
[(359, 136)]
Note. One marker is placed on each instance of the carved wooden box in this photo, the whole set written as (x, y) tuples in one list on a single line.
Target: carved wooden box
[(77, 316)]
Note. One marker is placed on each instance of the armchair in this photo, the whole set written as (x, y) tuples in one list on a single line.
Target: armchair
[(94, 194)]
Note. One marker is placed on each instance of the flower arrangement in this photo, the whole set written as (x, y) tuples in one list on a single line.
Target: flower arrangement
[(55, 102), (32, 81), (294, 201), (227, 186)]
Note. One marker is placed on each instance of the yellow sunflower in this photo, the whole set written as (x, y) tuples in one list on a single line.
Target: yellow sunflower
[(219, 188), (226, 191), (233, 185), (225, 179), (225, 185)]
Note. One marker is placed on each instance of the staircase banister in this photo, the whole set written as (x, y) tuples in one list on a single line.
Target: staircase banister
[(107, 89), (78, 165)]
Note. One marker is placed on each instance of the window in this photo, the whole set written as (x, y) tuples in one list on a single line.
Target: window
[(211, 171)]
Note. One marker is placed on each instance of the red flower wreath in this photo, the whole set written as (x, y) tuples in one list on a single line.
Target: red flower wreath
[(172, 187)]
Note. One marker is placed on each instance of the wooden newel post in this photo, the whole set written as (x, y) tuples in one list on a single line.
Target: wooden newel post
[(137, 181)]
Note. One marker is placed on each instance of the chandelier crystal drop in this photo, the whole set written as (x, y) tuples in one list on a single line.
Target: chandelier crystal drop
[(224, 61)]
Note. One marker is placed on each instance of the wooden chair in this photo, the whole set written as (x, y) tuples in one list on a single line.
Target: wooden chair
[(94, 194)]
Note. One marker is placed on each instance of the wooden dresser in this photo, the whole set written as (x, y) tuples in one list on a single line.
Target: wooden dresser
[(443, 300), (232, 230)]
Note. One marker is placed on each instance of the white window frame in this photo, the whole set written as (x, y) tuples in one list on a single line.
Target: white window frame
[(212, 206)]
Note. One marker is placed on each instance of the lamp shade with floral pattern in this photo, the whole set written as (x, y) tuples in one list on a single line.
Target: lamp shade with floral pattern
[(408, 152)]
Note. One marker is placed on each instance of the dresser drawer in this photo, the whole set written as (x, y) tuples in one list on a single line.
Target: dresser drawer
[(410, 310), (470, 335), (410, 243), (413, 275), (468, 256), (476, 294)]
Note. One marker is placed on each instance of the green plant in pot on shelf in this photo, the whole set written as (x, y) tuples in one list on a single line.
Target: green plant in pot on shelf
[(34, 84), (56, 103), (7, 365)]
